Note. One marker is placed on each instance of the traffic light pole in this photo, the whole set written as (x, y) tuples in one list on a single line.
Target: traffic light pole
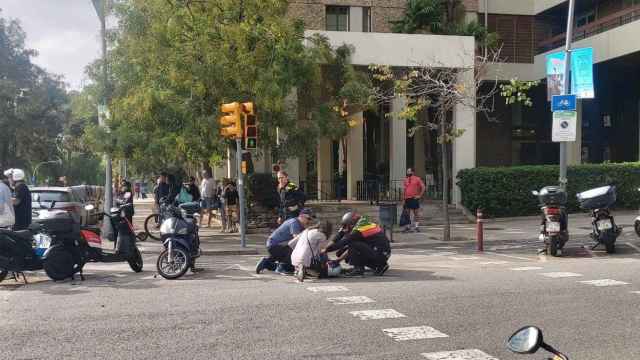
[(566, 91), (243, 219)]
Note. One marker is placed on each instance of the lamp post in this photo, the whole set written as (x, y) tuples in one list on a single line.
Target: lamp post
[(566, 90), (101, 9), (35, 170)]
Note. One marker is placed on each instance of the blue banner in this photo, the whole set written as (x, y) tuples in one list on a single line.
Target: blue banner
[(555, 74), (582, 73)]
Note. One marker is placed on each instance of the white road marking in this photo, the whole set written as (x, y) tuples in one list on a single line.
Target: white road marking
[(461, 258), (634, 292), (414, 333), (446, 247), (349, 300), (377, 314), (470, 354), (557, 275), (417, 251), (634, 247), (509, 256), (604, 282), (494, 263), (318, 289), (443, 253), (526, 268)]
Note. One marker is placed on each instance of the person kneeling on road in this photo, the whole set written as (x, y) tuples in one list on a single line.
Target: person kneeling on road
[(278, 243), (362, 244), (306, 256)]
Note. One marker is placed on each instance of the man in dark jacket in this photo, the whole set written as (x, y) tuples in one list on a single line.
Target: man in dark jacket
[(291, 198), (363, 243), (21, 199), (162, 189)]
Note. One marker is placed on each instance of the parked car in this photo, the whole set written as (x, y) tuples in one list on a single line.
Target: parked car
[(72, 199)]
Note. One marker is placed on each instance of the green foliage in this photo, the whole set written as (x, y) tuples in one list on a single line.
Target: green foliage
[(506, 191), (517, 91)]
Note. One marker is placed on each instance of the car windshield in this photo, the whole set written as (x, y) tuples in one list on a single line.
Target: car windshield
[(49, 196)]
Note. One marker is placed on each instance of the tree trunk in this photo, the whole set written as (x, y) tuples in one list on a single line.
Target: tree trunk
[(446, 236)]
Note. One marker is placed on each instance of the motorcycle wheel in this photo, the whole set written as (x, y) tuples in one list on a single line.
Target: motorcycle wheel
[(135, 261), (177, 267), (636, 226), (553, 246), (151, 226), (59, 264), (610, 247), (3, 274)]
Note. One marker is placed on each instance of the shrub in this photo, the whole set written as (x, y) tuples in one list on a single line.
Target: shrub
[(506, 191)]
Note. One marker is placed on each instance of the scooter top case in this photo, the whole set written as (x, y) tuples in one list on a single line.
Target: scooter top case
[(598, 198)]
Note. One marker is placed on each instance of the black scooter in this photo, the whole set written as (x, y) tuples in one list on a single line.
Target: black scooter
[(49, 244), (125, 246), (529, 340), (554, 227), (604, 229)]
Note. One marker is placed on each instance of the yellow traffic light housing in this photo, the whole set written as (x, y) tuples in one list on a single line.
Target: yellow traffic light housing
[(250, 126), (231, 123)]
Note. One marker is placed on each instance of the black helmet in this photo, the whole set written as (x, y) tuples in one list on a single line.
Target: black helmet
[(350, 218)]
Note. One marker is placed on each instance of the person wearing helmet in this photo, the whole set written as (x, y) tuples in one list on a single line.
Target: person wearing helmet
[(21, 199), (363, 243)]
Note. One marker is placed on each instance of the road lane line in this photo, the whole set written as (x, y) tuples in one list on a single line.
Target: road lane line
[(350, 300), (414, 333), (509, 256), (377, 314), (527, 268), (468, 354)]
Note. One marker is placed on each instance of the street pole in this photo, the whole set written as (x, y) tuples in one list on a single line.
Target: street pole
[(243, 220), (566, 91), (101, 9)]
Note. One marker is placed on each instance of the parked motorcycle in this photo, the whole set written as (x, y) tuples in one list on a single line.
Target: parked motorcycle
[(636, 224), (604, 228), (125, 246), (179, 235), (529, 340), (51, 243), (554, 227)]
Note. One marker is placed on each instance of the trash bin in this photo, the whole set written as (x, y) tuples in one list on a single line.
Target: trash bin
[(388, 214)]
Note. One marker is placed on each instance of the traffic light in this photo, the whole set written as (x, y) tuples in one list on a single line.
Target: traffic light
[(250, 126), (230, 122), (247, 163)]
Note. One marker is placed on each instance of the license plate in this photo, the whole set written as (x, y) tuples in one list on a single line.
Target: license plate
[(553, 227), (604, 224)]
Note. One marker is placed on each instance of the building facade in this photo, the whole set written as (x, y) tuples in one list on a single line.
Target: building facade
[(378, 149)]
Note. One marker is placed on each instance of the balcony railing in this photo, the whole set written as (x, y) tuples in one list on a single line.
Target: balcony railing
[(599, 26)]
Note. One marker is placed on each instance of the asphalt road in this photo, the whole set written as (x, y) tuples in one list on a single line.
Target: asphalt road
[(436, 299)]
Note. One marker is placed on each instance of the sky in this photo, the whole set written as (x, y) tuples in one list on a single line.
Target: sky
[(66, 34)]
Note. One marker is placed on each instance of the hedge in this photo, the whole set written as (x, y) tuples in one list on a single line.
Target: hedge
[(506, 191)]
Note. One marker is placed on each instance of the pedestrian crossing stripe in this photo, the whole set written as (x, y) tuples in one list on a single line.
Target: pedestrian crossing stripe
[(604, 282), (527, 268), (377, 314), (469, 354), (556, 275), (414, 333), (318, 289), (349, 300)]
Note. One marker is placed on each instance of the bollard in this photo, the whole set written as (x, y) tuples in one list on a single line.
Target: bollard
[(479, 230)]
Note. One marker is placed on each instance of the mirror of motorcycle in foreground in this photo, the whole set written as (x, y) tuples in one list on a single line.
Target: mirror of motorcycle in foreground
[(526, 340)]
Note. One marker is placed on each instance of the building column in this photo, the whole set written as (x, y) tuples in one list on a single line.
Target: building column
[(574, 149), (464, 147), (397, 143), (355, 155), (419, 155), (323, 163)]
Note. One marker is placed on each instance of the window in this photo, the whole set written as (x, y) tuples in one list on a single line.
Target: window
[(366, 19), (337, 18), (585, 18)]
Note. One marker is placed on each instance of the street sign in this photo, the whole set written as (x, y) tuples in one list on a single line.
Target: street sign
[(563, 103), (564, 126)]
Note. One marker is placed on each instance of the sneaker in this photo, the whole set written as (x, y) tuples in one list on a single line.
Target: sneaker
[(263, 264), (300, 273), (381, 270), (283, 269), (355, 272)]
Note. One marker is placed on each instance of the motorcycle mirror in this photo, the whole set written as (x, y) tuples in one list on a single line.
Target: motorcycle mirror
[(526, 340), (127, 195), (535, 193), (89, 207)]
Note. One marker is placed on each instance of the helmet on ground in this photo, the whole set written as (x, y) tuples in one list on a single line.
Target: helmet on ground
[(333, 268), (350, 218)]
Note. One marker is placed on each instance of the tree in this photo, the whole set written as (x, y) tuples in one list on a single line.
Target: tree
[(441, 89)]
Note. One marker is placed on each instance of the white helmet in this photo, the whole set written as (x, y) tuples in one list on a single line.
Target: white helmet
[(15, 174)]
